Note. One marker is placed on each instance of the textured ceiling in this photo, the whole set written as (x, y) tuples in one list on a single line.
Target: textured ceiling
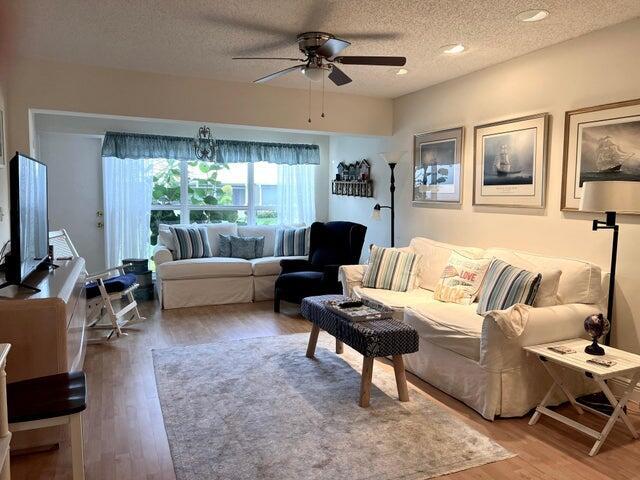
[(199, 37)]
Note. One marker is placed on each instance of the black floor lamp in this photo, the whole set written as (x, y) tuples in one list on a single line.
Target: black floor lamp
[(610, 197), (392, 160)]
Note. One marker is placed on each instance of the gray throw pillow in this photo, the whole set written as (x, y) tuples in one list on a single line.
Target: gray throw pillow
[(224, 246), (241, 247)]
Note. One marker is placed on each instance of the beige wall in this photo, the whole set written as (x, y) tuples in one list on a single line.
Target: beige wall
[(76, 88), (594, 69), (4, 180)]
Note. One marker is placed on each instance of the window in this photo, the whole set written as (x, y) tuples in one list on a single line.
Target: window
[(202, 192)]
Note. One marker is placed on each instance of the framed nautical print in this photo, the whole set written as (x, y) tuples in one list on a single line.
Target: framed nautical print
[(510, 162), (437, 167), (600, 143)]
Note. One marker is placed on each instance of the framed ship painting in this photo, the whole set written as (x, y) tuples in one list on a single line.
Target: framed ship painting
[(600, 143), (510, 162), (437, 167)]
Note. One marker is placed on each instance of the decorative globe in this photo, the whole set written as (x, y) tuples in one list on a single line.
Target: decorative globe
[(596, 326)]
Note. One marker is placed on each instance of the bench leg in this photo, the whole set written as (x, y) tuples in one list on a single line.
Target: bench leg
[(313, 340), (339, 347), (365, 382), (401, 378), (77, 447)]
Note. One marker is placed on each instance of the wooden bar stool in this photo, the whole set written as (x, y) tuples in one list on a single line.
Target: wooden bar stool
[(51, 401)]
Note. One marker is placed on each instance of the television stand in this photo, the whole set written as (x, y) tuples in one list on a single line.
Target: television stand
[(20, 285)]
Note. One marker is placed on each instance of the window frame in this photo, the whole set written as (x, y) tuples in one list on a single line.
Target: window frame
[(184, 207)]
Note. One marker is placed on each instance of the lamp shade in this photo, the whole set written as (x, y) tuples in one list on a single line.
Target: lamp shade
[(610, 196), (375, 213), (393, 157)]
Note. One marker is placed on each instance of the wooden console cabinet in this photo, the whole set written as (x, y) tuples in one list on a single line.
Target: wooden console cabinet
[(46, 330)]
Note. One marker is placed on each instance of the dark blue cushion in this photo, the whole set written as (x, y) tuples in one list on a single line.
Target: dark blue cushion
[(112, 285)]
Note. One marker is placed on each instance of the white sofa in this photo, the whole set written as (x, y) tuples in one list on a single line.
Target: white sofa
[(217, 280), (467, 355)]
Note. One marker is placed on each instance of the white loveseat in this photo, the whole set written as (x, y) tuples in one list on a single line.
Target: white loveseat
[(467, 355), (218, 280)]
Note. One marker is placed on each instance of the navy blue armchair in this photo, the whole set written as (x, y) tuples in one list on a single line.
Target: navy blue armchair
[(331, 244)]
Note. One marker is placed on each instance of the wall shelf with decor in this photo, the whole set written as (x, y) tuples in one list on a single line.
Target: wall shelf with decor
[(353, 179), (352, 188)]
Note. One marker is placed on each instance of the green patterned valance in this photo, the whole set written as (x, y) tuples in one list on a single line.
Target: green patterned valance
[(134, 145)]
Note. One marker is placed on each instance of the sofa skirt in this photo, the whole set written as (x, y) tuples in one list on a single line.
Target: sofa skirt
[(263, 287), (205, 291), (508, 393)]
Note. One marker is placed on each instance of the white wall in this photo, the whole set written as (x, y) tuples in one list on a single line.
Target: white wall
[(598, 68), (358, 209)]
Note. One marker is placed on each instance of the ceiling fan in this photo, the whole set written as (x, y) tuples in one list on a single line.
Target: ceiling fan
[(321, 52)]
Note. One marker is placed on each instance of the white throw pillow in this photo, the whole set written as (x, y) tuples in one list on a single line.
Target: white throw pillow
[(547, 295), (166, 237), (461, 279)]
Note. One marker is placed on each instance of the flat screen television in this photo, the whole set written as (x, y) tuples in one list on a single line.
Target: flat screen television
[(29, 218)]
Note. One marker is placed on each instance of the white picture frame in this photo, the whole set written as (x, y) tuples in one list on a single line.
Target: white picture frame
[(510, 162), (615, 124), (437, 167)]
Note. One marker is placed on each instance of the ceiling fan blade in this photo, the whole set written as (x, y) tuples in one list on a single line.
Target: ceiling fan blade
[(338, 77), (370, 36), (266, 47), (273, 76), (249, 25), (269, 58), (332, 47), (388, 61)]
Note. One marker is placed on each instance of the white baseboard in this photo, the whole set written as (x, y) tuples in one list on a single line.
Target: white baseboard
[(619, 385)]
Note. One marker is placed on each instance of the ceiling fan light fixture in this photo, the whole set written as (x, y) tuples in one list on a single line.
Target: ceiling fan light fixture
[(314, 74), (402, 71), (534, 15), (452, 49)]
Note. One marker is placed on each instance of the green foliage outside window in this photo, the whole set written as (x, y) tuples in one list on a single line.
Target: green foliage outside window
[(204, 190)]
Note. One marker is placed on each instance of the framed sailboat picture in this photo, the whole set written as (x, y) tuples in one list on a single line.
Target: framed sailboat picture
[(437, 167), (600, 143), (510, 162)]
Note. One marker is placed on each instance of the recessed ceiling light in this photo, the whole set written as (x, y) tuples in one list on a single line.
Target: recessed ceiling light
[(402, 71), (452, 49), (532, 15)]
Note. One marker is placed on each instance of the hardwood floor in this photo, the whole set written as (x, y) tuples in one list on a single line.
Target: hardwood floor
[(124, 430)]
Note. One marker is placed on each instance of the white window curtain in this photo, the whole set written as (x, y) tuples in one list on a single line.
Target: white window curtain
[(127, 185), (296, 194)]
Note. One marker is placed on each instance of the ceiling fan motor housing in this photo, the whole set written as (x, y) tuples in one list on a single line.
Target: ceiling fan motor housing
[(309, 42)]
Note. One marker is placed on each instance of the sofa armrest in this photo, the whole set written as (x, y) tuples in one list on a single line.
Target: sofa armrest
[(544, 325), (291, 265), (351, 276), (161, 254)]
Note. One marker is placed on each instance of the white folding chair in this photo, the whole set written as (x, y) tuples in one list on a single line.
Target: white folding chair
[(104, 290)]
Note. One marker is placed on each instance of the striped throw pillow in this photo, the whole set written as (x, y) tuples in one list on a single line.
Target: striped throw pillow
[(190, 242), (506, 285), (391, 269), (292, 242)]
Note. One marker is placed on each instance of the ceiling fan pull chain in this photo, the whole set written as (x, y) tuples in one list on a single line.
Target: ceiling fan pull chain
[(309, 120), (322, 115)]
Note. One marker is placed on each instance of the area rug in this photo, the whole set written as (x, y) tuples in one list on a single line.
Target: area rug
[(260, 409)]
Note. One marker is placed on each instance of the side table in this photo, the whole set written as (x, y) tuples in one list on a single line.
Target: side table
[(627, 366)]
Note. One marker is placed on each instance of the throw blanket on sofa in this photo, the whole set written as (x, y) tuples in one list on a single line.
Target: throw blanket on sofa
[(512, 320)]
